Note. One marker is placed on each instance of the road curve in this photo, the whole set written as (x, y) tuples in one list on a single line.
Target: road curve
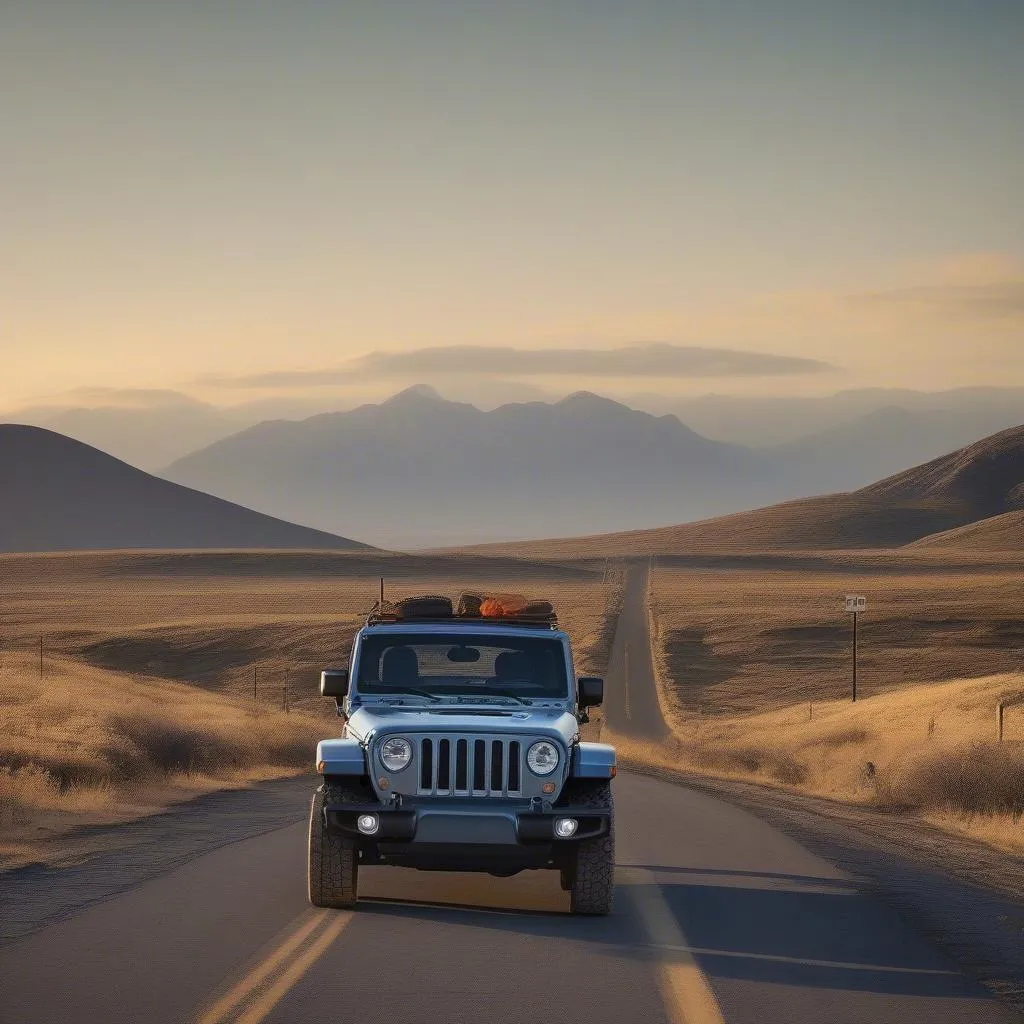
[(718, 917)]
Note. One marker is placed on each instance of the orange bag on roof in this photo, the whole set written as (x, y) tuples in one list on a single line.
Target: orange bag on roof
[(497, 605)]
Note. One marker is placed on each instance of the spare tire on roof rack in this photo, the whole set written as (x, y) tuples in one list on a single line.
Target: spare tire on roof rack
[(469, 606), (543, 610), (428, 606)]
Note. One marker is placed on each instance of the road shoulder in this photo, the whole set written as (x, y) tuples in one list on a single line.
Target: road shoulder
[(966, 897), (117, 858)]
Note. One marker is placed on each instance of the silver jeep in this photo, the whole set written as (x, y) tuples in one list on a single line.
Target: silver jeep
[(461, 751)]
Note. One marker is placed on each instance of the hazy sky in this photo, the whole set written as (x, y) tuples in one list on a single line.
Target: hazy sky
[(192, 192)]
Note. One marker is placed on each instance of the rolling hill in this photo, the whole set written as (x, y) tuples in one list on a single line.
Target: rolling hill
[(419, 471), (60, 495), (884, 442), (998, 533), (959, 492)]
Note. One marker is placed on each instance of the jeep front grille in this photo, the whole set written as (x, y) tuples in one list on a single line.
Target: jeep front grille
[(469, 766)]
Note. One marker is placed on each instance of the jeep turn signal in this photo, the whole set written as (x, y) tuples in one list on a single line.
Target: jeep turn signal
[(320, 767), (612, 772)]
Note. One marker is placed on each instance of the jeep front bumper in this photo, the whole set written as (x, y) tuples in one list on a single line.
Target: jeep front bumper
[(451, 823)]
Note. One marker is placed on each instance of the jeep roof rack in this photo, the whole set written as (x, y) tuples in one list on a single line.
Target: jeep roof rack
[(389, 613), (458, 621)]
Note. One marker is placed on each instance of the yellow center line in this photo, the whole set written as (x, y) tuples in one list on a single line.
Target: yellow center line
[(258, 975), (686, 993), (262, 1006)]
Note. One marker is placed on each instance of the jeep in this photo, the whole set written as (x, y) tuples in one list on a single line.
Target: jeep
[(461, 751)]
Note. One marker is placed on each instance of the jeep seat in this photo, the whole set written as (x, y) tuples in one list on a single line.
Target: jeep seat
[(513, 665), (399, 667)]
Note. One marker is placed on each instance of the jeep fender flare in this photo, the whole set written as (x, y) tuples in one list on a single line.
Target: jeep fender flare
[(593, 761), (340, 757)]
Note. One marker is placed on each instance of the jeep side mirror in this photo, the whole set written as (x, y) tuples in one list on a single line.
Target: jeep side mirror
[(591, 691), (334, 683)]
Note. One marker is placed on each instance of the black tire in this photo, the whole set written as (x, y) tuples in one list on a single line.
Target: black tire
[(333, 860), (591, 877)]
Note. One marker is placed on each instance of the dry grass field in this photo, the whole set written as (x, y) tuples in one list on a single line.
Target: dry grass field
[(747, 633), (145, 690), (754, 660)]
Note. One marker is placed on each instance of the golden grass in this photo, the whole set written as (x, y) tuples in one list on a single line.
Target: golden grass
[(212, 618), (750, 634), (884, 751), (88, 745)]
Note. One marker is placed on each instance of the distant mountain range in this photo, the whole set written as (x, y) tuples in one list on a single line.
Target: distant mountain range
[(420, 471), (60, 495), (939, 421), (972, 499), (831, 442), (418, 464)]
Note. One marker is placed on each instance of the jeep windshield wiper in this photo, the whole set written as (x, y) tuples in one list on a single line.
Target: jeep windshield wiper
[(490, 695), (407, 691)]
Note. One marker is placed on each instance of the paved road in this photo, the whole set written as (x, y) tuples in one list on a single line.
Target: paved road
[(718, 917), (631, 705)]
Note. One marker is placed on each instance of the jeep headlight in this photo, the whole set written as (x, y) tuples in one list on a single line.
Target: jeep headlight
[(542, 757), (395, 753)]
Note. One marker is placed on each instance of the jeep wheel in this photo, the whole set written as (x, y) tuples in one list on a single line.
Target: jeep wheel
[(333, 860), (592, 877)]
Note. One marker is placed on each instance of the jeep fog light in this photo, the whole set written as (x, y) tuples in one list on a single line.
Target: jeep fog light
[(565, 828), (542, 757), (369, 823)]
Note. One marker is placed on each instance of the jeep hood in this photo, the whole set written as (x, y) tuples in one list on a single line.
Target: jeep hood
[(369, 721)]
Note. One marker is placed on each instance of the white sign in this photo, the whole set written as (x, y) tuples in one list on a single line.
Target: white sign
[(856, 603)]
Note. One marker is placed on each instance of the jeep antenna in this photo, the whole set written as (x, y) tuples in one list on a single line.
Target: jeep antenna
[(381, 605)]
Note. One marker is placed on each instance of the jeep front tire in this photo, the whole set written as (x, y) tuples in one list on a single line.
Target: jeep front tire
[(333, 860), (590, 875)]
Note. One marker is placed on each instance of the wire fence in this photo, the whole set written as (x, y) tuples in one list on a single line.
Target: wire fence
[(51, 659)]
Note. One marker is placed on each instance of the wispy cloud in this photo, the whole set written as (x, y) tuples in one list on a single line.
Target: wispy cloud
[(154, 398), (659, 359), (120, 398), (995, 298)]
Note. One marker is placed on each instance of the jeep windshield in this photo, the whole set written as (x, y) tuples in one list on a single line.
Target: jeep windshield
[(453, 665)]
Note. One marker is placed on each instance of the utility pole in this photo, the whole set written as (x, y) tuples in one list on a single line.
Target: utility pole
[(254, 684), (856, 616), (40, 656), (855, 604)]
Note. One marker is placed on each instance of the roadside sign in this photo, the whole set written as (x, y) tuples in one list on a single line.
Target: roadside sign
[(855, 603)]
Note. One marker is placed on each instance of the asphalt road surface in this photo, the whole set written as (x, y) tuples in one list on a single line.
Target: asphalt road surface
[(631, 701), (718, 917)]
